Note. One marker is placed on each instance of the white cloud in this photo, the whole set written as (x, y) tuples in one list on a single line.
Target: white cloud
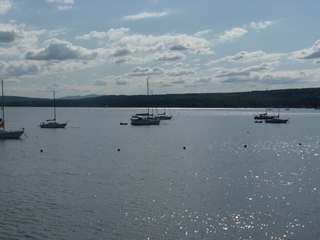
[(201, 33), (312, 53), (112, 34), (138, 71), (57, 32), (128, 48), (18, 68), (65, 7), (180, 72), (204, 80), (266, 66), (100, 82), (230, 35), (62, 1), (146, 15), (175, 56), (245, 57), (5, 5), (14, 39), (60, 50), (261, 25)]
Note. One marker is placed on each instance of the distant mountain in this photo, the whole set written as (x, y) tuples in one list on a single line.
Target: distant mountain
[(80, 97)]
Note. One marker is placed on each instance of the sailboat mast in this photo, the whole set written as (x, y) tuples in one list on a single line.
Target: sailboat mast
[(2, 104), (54, 104), (148, 95)]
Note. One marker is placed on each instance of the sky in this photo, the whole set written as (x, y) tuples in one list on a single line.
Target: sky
[(111, 47)]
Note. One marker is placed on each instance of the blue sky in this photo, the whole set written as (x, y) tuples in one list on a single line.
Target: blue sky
[(81, 47)]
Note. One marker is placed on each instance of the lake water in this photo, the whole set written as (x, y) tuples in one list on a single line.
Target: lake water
[(205, 174)]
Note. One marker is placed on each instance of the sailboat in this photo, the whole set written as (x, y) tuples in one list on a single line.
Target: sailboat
[(145, 118), (277, 119), (164, 116), (52, 123), (4, 134), (263, 116)]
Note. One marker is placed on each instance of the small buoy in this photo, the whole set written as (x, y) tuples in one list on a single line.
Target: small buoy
[(41, 150), (184, 147), (118, 149), (300, 144), (245, 145)]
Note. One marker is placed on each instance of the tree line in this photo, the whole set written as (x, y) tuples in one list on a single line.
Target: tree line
[(287, 98)]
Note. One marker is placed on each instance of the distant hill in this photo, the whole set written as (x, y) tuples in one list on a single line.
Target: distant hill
[(286, 98), (79, 97)]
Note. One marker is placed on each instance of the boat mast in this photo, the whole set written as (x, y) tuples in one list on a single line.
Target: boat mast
[(54, 105), (2, 104), (148, 95)]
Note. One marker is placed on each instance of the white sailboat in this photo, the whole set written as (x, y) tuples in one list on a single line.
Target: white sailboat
[(4, 134), (52, 123), (145, 118)]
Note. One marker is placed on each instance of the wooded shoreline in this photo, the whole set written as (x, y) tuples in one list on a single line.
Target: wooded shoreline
[(287, 98)]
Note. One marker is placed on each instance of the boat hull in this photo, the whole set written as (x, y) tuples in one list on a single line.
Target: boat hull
[(10, 134), (263, 117), (53, 125), (165, 117), (145, 121), (275, 120)]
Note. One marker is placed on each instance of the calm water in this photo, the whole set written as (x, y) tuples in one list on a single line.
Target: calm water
[(189, 178)]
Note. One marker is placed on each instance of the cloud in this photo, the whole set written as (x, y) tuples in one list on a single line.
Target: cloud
[(126, 48), (212, 62), (179, 81), (201, 33), (180, 72), (138, 71), (112, 34), (56, 86), (279, 79), (62, 1), (18, 68), (170, 57), (264, 74), (204, 80), (312, 53), (57, 32), (60, 50), (245, 57), (15, 40), (146, 15), (266, 66), (5, 5), (65, 7), (261, 25), (8, 36), (121, 82), (100, 82), (121, 52), (230, 35), (178, 47)]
